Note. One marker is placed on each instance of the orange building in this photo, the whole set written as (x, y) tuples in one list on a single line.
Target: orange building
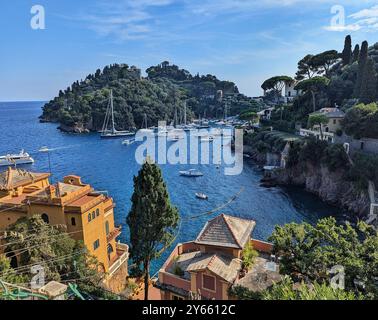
[(87, 214), (209, 266)]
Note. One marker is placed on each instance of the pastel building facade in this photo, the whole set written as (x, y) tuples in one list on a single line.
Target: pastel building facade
[(86, 214)]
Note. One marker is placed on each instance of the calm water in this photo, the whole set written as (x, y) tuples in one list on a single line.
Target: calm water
[(108, 165)]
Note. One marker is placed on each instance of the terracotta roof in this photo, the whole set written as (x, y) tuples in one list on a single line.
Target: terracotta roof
[(226, 231), (331, 112), (223, 266), (13, 178)]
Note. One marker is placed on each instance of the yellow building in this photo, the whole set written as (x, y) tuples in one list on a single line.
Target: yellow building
[(87, 214)]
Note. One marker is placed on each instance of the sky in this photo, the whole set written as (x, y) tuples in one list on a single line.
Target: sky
[(245, 41)]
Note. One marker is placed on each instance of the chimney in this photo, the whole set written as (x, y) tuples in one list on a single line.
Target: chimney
[(51, 191)]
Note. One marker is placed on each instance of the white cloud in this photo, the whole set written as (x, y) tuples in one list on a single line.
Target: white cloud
[(125, 19), (366, 13)]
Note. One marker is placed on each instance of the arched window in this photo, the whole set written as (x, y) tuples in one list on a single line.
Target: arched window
[(107, 227), (109, 250), (45, 218), (89, 217), (93, 215), (73, 221), (97, 212)]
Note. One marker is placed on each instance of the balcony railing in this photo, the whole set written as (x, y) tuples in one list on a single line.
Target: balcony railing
[(114, 234), (122, 257)]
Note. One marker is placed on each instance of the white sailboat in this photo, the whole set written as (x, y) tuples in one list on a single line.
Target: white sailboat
[(109, 117), (145, 129)]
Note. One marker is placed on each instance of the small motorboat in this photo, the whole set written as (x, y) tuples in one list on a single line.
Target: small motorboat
[(128, 142), (191, 173), (44, 149), (202, 196)]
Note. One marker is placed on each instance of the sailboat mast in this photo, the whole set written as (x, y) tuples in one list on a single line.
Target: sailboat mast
[(175, 121), (112, 109), (185, 113)]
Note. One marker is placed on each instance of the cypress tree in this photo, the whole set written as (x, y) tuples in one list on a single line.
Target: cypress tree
[(356, 53), (152, 219), (368, 90), (361, 68), (347, 52)]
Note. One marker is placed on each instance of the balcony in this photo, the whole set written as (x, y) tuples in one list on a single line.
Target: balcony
[(122, 257), (114, 234)]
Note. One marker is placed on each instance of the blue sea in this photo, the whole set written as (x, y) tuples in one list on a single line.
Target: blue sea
[(110, 166)]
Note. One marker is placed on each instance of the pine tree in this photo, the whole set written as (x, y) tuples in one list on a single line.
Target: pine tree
[(368, 90), (361, 68), (356, 53), (152, 219), (347, 52)]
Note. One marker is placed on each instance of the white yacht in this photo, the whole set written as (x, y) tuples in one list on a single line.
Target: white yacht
[(191, 173), (16, 159)]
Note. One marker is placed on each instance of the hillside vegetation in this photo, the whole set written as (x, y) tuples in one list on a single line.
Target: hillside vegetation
[(347, 79), (165, 90)]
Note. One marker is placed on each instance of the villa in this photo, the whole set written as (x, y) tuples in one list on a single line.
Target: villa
[(209, 266), (86, 214), (335, 116)]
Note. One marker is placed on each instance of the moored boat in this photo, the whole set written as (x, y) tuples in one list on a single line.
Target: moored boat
[(16, 159), (191, 173), (201, 196)]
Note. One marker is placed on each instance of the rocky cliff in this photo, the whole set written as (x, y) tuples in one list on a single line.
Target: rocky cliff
[(331, 187)]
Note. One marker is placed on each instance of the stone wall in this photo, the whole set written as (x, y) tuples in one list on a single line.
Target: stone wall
[(366, 145)]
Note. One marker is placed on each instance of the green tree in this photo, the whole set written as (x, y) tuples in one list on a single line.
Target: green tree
[(248, 116), (325, 60), (362, 58), (361, 121), (152, 219), (286, 290), (306, 68), (313, 86), (347, 52), (368, 91), (318, 119), (356, 52), (308, 252), (275, 85), (32, 241), (249, 255)]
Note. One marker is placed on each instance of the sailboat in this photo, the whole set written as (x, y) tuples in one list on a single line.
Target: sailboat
[(109, 117), (145, 129)]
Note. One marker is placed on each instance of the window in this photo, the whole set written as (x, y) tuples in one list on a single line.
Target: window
[(93, 215), (96, 244), (208, 282), (334, 121), (73, 221), (45, 218), (97, 212), (89, 217), (107, 227)]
